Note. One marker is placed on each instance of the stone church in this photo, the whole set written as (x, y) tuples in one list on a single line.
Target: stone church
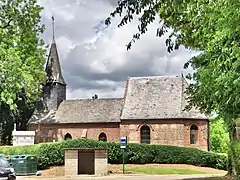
[(151, 112)]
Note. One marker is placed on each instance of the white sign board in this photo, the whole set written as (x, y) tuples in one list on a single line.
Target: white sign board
[(123, 142)]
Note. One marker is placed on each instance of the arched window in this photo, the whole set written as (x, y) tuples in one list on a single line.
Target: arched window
[(193, 134), (102, 137), (67, 136), (145, 134)]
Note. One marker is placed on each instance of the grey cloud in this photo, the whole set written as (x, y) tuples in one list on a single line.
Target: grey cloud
[(78, 82), (112, 2), (139, 64)]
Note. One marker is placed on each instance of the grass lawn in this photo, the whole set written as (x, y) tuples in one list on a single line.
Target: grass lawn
[(162, 171)]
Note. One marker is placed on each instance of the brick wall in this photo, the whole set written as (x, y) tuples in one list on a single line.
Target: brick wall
[(111, 130), (167, 132)]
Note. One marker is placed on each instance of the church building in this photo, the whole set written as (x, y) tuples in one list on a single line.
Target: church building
[(152, 111)]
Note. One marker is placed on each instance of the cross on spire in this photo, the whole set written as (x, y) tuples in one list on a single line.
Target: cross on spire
[(53, 31)]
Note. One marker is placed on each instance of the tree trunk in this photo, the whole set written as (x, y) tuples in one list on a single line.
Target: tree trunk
[(234, 161), (231, 166)]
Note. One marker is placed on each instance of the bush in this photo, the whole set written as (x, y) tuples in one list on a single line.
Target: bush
[(52, 154)]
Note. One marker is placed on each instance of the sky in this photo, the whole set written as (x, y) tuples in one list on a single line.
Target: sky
[(94, 58)]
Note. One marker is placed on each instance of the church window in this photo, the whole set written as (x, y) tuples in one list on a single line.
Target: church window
[(102, 137), (145, 134), (193, 134), (67, 136)]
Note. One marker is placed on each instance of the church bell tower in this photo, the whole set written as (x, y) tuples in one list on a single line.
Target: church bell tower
[(55, 87)]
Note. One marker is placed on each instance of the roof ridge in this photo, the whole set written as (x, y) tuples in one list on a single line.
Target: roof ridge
[(94, 99), (156, 76)]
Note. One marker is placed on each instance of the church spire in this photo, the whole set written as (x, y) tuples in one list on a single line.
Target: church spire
[(53, 67)]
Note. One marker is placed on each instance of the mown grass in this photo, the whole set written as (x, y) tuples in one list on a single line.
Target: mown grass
[(163, 171)]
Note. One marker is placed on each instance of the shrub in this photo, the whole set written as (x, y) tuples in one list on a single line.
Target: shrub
[(52, 154)]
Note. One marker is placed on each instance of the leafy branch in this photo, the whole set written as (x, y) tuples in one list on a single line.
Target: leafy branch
[(8, 24)]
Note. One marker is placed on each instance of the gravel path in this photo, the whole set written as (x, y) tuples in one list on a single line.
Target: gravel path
[(120, 177)]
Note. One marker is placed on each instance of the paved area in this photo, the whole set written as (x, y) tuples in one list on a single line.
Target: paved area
[(125, 177)]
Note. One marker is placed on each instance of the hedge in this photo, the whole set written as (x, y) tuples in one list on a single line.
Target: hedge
[(52, 154)]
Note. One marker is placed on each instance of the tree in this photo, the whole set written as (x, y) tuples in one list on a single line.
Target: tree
[(20, 116), (210, 27), (95, 96), (21, 51), (219, 141)]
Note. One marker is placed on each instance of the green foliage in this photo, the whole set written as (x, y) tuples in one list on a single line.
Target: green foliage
[(52, 154), (21, 51), (21, 63), (219, 136)]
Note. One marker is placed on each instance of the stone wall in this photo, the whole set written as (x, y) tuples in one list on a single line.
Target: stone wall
[(167, 132), (111, 130)]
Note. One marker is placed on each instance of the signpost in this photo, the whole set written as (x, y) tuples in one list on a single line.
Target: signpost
[(123, 147)]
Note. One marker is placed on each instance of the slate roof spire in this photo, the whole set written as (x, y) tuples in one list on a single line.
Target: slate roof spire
[(53, 67)]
